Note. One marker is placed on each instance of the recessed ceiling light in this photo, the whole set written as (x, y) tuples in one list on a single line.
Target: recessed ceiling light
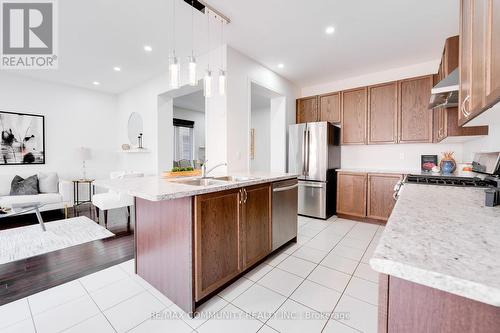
[(117, 69), (281, 65), (96, 83), (148, 48), (329, 30)]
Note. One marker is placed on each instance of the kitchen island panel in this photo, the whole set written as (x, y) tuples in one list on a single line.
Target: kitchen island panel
[(163, 239)]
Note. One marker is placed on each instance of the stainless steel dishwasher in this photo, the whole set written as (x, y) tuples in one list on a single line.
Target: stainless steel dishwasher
[(285, 205)]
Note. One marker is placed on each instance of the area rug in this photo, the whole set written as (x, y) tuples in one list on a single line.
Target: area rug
[(25, 242)]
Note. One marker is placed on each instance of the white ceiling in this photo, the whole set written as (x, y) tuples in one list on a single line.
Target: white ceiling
[(370, 35), (95, 35), (193, 101)]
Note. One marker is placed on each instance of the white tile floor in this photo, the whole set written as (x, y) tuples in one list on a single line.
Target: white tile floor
[(321, 284)]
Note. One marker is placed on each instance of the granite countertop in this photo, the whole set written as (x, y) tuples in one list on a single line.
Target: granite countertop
[(445, 238), (155, 188)]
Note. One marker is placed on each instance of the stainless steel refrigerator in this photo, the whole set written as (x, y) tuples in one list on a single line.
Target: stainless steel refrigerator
[(314, 154)]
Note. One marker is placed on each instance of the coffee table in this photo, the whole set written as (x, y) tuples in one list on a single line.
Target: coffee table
[(28, 207)]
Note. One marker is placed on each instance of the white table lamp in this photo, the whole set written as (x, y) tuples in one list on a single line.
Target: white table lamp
[(84, 155)]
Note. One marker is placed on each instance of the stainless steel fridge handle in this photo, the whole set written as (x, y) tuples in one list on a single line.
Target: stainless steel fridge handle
[(304, 153), (308, 141), (286, 188)]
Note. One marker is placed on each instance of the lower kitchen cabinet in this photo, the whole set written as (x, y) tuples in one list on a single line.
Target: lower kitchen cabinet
[(217, 240), (351, 193), (380, 195), (256, 223), (232, 231), (366, 196)]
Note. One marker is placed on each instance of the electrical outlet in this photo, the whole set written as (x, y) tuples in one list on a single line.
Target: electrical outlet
[(401, 156)]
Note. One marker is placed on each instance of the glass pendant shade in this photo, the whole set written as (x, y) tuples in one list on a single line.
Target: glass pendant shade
[(222, 82), (207, 83), (192, 71), (175, 70)]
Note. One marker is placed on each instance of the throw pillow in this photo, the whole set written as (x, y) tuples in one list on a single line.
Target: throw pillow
[(48, 182), (20, 186)]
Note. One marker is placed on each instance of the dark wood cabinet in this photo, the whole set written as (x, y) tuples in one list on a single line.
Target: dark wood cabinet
[(351, 193), (256, 223), (307, 109), (354, 110), (217, 240), (415, 118), (479, 57), (232, 231), (329, 106), (383, 113), (380, 195)]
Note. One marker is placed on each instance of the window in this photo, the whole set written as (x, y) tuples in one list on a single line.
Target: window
[(183, 140)]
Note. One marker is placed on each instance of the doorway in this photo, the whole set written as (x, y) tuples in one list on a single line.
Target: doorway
[(267, 129), (189, 130)]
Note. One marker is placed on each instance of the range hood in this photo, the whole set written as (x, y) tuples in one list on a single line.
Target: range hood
[(445, 93)]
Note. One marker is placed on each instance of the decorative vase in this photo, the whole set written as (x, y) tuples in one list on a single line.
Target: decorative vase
[(448, 164)]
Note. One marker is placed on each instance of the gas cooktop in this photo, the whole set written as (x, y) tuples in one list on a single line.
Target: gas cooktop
[(448, 181)]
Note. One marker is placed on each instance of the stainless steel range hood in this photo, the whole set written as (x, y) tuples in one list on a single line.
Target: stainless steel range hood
[(445, 93)]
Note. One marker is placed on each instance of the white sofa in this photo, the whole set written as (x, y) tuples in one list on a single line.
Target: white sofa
[(54, 196)]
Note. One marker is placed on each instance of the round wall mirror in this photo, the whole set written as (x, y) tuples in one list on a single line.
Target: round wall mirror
[(134, 128)]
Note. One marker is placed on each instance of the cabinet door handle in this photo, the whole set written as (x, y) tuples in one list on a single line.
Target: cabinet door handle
[(463, 109), (246, 195), (241, 196)]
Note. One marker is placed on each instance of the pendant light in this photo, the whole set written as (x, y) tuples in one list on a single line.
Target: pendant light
[(207, 80), (222, 72), (192, 59), (174, 66)]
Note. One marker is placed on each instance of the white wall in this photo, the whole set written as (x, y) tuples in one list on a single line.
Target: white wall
[(394, 156), (260, 121), (242, 71), (74, 117), (491, 143), (151, 100), (199, 126)]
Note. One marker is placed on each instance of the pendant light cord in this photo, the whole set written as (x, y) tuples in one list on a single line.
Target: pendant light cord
[(208, 40), (221, 43), (173, 25), (192, 29)]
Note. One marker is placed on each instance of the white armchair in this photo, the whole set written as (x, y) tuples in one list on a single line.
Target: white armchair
[(112, 199)]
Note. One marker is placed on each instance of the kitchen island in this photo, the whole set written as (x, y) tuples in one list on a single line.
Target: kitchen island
[(194, 236), (439, 258)]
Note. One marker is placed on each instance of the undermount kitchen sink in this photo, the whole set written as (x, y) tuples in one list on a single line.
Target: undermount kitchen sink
[(199, 181), (235, 178)]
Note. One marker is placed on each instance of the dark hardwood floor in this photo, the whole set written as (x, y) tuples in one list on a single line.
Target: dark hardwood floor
[(25, 277)]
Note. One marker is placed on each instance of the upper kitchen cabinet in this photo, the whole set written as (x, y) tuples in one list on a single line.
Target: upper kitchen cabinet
[(415, 119), (329, 106), (383, 113), (307, 109), (479, 57), (446, 118), (493, 53), (354, 111)]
